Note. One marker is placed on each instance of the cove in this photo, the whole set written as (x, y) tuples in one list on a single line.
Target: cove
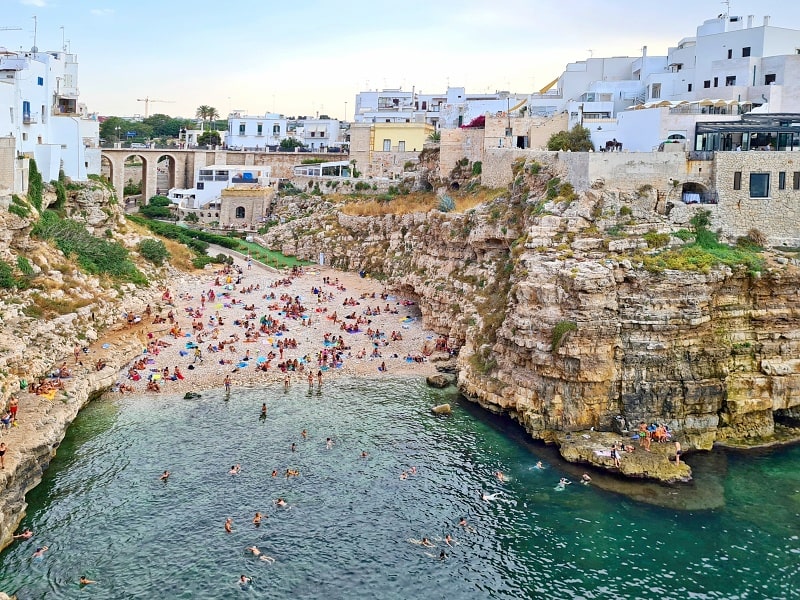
[(103, 512)]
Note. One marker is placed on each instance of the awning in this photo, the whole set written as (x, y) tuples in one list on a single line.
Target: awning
[(549, 85)]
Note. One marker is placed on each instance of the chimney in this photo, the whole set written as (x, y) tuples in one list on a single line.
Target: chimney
[(766, 20), (750, 21)]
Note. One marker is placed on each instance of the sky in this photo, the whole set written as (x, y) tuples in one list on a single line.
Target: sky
[(311, 57)]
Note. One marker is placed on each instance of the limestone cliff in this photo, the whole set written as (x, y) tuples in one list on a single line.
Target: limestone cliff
[(712, 352)]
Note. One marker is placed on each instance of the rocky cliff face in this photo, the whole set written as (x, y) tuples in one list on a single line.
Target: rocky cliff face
[(562, 326)]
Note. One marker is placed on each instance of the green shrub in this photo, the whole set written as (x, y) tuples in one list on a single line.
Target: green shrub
[(132, 189), (684, 235), (7, 279), (553, 187), (153, 250), (446, 204), (560, 331), (656, 240), (24, 266), (625, 211), (534, 168), (61, 195), (94, 255), (19, 207), (156, 212), (35, 185), (160, 201), (701, 219), (477, 168)]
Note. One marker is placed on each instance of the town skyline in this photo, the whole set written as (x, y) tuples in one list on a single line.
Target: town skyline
[(284, 61)]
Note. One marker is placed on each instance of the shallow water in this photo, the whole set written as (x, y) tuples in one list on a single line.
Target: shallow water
[(103, 512)]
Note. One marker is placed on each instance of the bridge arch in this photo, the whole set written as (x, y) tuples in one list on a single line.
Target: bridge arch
[(176, 169)]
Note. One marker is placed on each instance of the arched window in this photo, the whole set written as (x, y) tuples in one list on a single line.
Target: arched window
[(240, 212)]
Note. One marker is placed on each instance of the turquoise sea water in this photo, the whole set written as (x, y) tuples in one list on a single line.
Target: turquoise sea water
[(103, 512)]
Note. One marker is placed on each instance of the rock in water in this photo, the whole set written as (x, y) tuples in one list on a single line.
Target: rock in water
[(191, 395), (440, 380), (442, 409)]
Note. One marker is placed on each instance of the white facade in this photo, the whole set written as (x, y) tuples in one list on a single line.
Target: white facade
[(39, 91), (449, 110), (211, 180), (247, 132), (319, 134)]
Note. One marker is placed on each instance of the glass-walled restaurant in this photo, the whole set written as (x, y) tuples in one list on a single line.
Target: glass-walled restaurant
[(779, 131)]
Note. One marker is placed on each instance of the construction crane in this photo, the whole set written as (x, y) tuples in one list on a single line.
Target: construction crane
[(147, 100)]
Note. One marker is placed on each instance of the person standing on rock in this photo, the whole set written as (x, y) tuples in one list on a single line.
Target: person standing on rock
[(13, 405), (3, 449), (615, 455), (678, 453)]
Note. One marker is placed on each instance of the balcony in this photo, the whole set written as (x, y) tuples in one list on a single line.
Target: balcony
[(30, 118)]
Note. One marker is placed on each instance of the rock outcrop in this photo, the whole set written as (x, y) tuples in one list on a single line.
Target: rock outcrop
[(561, 325)]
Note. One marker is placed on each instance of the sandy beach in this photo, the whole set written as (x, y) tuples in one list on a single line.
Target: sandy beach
[(254, 325)]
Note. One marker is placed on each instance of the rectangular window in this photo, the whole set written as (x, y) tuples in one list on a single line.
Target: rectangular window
[(276, 129), (737, 180), (782, 180), (730, 80), (730, 53), (387, 145), (796, 180), (259, 129), (241, 128), (40, 80), (759, 185), (401, 146), (745, 51), (689, 88), (24, 137), (716, 81), (769, 78), (707, 83)]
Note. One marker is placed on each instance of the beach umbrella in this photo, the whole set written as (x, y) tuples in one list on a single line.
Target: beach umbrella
[(261, 360)]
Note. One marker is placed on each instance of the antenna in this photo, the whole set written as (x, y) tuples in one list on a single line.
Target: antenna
[(727, 4), (63, 41), (591, 53)]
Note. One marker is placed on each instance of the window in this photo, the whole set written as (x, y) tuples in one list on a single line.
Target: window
[(387, 145), (730, 53), (737, 180), (24, 137), (401, 146), (707, 83), (759, 185), (769, 78), (730, 80), (655, 91), (689, 88), (782, 180), (40, 81), (259, 129), (241, 128), (240, 212), (716, 81), (796, 180), (745, 51), (276, 129)]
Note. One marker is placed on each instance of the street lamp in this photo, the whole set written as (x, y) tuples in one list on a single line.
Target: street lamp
[(345, 112), (117, 128)]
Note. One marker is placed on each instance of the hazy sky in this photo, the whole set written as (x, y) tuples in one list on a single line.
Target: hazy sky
[(313, 56)]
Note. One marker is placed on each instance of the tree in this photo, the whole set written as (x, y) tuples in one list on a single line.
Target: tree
[(209, 138), (207, 113), (578, 139), (289, 144), (166, 126), (153, 250)]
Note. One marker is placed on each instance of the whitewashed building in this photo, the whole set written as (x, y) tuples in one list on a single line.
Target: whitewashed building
[(210, 181), (248, 132), (319, 134), (44, 117)]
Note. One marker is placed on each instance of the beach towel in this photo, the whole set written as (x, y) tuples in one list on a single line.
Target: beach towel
[(106, 346), (242, 364), (183, 353)]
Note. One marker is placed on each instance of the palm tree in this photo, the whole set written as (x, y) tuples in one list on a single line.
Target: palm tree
[(202, 112), (213, 115)]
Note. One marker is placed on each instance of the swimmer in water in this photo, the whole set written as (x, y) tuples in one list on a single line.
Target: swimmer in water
[(363, 454), (304, 434), (489, 497), (500, 476), (25, 535), (39, 552), (329, 443), (538, 465), (448, 540), (403, 475), (294, 447), (274, 472), (164, 476), (264, 409), (280, 502), (585, 479), (563, 483), (426, 542), (259, 554), (244, 581), (257, 519), (84, 581), (228, 525), (442, 555), (463, 522), (234, 470)]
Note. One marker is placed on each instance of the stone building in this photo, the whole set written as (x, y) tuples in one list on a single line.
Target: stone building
[(245, 206)]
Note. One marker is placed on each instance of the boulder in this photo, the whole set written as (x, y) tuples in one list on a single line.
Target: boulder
[(441, 380), (442, 409)]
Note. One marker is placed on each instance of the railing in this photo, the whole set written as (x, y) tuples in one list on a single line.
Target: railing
[(701, 155), (28, 118), (700, 197), (245, 180)]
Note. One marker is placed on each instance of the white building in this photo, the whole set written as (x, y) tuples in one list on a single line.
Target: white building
[(247, 132), (449, 110), (319, 134), (211, 180), (44, 117)]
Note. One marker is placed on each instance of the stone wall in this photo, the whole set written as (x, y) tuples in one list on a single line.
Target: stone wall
[(7, 164), (778, 216), (457, 144)]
